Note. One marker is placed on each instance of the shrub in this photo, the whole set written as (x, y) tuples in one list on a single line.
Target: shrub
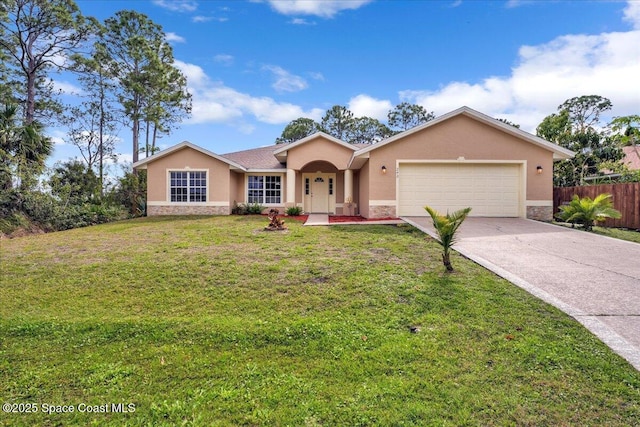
[(247, 209), (294, 211), (53, 215), (238, 209), (255, 209), (587, 212)]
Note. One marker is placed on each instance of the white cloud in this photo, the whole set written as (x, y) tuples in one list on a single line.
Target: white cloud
[(213, 102), (195, 75), (200, 18), (173, 37), (58, 137), (632, 14), (224, 59), (67, 88), (177, 5), (517, 3), (301, 21), (284, 80), (316, 76), (219, 103), (366, 106), (546, 75), (324, 8)]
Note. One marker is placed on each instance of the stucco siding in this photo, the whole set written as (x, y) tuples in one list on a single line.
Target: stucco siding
[(461, 137), (320, 149), (236, 188), (363, 193), (187, 159)]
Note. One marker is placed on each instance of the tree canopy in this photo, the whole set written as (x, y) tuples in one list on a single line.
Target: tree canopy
[(341, 123), (298, 129), (151, 90), (35, 37), (577, 126), (406, 116)]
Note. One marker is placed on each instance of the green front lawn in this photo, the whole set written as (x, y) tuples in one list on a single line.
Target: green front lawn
[(214, 322), (616, 233)]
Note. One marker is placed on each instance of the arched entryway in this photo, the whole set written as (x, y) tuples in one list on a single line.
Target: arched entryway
[(319, 181)]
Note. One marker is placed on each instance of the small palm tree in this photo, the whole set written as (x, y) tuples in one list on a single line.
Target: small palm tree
[(587, 212), (446, 227)]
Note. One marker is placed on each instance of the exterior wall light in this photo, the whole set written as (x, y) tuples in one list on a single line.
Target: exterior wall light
[(539, 170), (384, 170)]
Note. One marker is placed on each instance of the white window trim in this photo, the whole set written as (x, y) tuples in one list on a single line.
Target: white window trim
[(282, 185), (187, 203)]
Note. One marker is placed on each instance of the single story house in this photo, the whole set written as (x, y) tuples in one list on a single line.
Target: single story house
[(463, 158), (631, 157)]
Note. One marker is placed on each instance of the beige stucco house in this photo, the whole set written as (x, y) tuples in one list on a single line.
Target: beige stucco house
[(463, 158)]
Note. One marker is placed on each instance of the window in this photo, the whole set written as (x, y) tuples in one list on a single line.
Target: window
[(188, 186), (306, 186), (264, 189), (331, 186)]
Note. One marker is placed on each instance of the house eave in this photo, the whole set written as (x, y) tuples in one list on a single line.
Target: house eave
[(142, 164)]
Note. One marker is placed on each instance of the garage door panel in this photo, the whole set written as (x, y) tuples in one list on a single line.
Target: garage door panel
[(490, 189)]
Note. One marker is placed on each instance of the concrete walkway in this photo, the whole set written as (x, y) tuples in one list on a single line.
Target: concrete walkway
[(323, 219), (317, 219), (592, 278)]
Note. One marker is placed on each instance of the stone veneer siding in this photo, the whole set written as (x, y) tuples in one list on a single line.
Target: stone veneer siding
[(540, 213), (384, 211), (187, 210)]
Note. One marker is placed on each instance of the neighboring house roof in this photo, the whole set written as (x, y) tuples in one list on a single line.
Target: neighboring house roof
[(631, 157), (142, 164), (258, 158), (558, 152)]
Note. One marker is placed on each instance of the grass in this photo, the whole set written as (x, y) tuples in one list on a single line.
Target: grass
[(619, 233), (214, 322), (616, 233)]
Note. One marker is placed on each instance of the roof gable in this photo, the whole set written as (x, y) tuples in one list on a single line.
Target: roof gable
[(558, 152), (142, 164), (281, 153)]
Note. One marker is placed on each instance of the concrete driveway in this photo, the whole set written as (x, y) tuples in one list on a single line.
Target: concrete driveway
[(592, 278)]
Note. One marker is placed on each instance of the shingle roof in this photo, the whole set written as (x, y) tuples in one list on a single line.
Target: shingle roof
[(263, 157), (631, 158), (257, 158)]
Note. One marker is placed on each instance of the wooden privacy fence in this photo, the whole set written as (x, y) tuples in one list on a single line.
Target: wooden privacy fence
[(626, 199)]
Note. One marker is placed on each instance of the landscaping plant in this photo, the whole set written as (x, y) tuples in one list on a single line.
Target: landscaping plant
[(587, 212), (294, 211), (446, 227)]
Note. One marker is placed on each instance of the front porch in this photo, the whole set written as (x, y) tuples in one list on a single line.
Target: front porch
[(320, 187)]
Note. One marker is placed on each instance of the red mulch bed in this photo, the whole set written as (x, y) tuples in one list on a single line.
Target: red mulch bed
[(334, 219)]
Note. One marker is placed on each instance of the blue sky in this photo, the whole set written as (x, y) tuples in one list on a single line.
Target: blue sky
[(253, 66)]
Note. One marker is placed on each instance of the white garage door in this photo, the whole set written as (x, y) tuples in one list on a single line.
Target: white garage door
[(490, 189)]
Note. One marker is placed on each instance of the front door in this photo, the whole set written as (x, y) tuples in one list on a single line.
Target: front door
[(319, 196)]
